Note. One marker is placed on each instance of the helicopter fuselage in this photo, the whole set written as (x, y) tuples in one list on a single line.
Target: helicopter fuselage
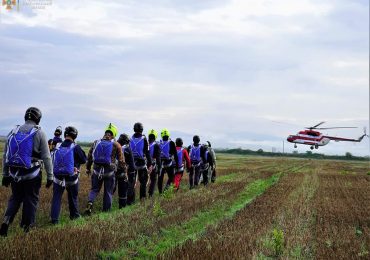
[(313, 138)]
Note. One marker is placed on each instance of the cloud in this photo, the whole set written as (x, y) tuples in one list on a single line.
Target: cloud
[(221, 69)]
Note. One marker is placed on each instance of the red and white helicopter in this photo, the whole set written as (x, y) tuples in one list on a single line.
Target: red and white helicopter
[(316, 139)]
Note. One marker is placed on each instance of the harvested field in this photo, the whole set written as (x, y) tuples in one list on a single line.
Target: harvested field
[(258, 208), (319, 212)]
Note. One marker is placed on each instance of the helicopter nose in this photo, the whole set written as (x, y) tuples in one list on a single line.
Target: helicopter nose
[(290, 139)]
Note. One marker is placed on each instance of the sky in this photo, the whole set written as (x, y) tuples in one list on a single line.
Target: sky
[(239, 73)]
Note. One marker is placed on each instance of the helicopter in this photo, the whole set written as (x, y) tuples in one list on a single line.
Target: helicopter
[(316, 139)]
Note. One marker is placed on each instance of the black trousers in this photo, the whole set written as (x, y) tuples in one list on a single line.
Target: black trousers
[(171, 177), (194, 176), (131, 187), (143, 179), (122, 183), (26, 192), (153, 180)]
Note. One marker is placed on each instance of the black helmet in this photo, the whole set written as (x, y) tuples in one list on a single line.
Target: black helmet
[(123, 139), (179, 142), (209, 143), (34, 114), (196, 139), (71, 132), (58, 131), (138, 127)]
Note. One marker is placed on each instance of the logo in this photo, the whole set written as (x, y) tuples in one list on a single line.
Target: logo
[(9, 4)]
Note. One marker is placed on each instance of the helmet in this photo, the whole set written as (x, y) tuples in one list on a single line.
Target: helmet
[(205, 145), (165, 132), (123, 139), (153, 132), (209, 144), (196, 139), (113, 129), (138, 127), (58, 131), (179, 142), (34, 114), (71, 131)]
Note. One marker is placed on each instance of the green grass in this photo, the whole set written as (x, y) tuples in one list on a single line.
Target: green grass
[(150, 247)]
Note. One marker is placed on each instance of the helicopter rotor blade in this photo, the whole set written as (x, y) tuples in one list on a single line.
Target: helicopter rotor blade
[(315, 126), (325, 128)]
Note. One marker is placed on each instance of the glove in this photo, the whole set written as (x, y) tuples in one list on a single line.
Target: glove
[(48, 183), (6, 181)]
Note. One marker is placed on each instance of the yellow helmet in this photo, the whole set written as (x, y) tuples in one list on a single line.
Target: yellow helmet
[(165, 132), (112, 128), (153, 132)]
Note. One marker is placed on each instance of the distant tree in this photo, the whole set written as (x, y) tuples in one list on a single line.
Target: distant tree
[(295, 152), (259, 151), (309, 153), (348, 155)]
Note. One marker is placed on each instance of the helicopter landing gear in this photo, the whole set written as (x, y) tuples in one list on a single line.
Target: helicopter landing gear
[(316, 146), (295, 146), (311, 147)]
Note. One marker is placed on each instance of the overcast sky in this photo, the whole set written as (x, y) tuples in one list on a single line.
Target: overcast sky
[(240, 73)]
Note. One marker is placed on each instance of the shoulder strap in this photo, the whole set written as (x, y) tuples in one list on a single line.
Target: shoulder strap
[(15, 130)]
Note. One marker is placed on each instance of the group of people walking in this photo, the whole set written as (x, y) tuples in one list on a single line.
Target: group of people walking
[(115, 163)]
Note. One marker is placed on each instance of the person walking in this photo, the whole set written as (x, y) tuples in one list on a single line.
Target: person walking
[(155, 154), (183, 158), (169, 160), (26, 153), (67, 160), (197, 156), (107, 156), (142, 159), (126, 180)]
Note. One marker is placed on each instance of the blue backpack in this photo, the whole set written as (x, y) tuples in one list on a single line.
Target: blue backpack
[(195, 154), (102, 152), (63, 160), (19, 149), (137, 147), (180, 157), (165, 149), (151, 148)]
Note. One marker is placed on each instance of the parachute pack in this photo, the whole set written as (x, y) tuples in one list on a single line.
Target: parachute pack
[(19, 149), (180, 157), (151, 149), (137, 147), (103, 151), (165, 149), (195, 154), (63, 160)]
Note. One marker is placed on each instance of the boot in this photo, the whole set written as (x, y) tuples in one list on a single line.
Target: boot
[(88, 209), (122, 203), (4, 230), (26, 228)]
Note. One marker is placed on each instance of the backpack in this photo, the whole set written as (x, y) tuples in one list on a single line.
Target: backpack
[(180, 157), (103, 151), (20, 147), (165, 149), (137, 147), (195, 154), (151, 149), (63, 160)]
